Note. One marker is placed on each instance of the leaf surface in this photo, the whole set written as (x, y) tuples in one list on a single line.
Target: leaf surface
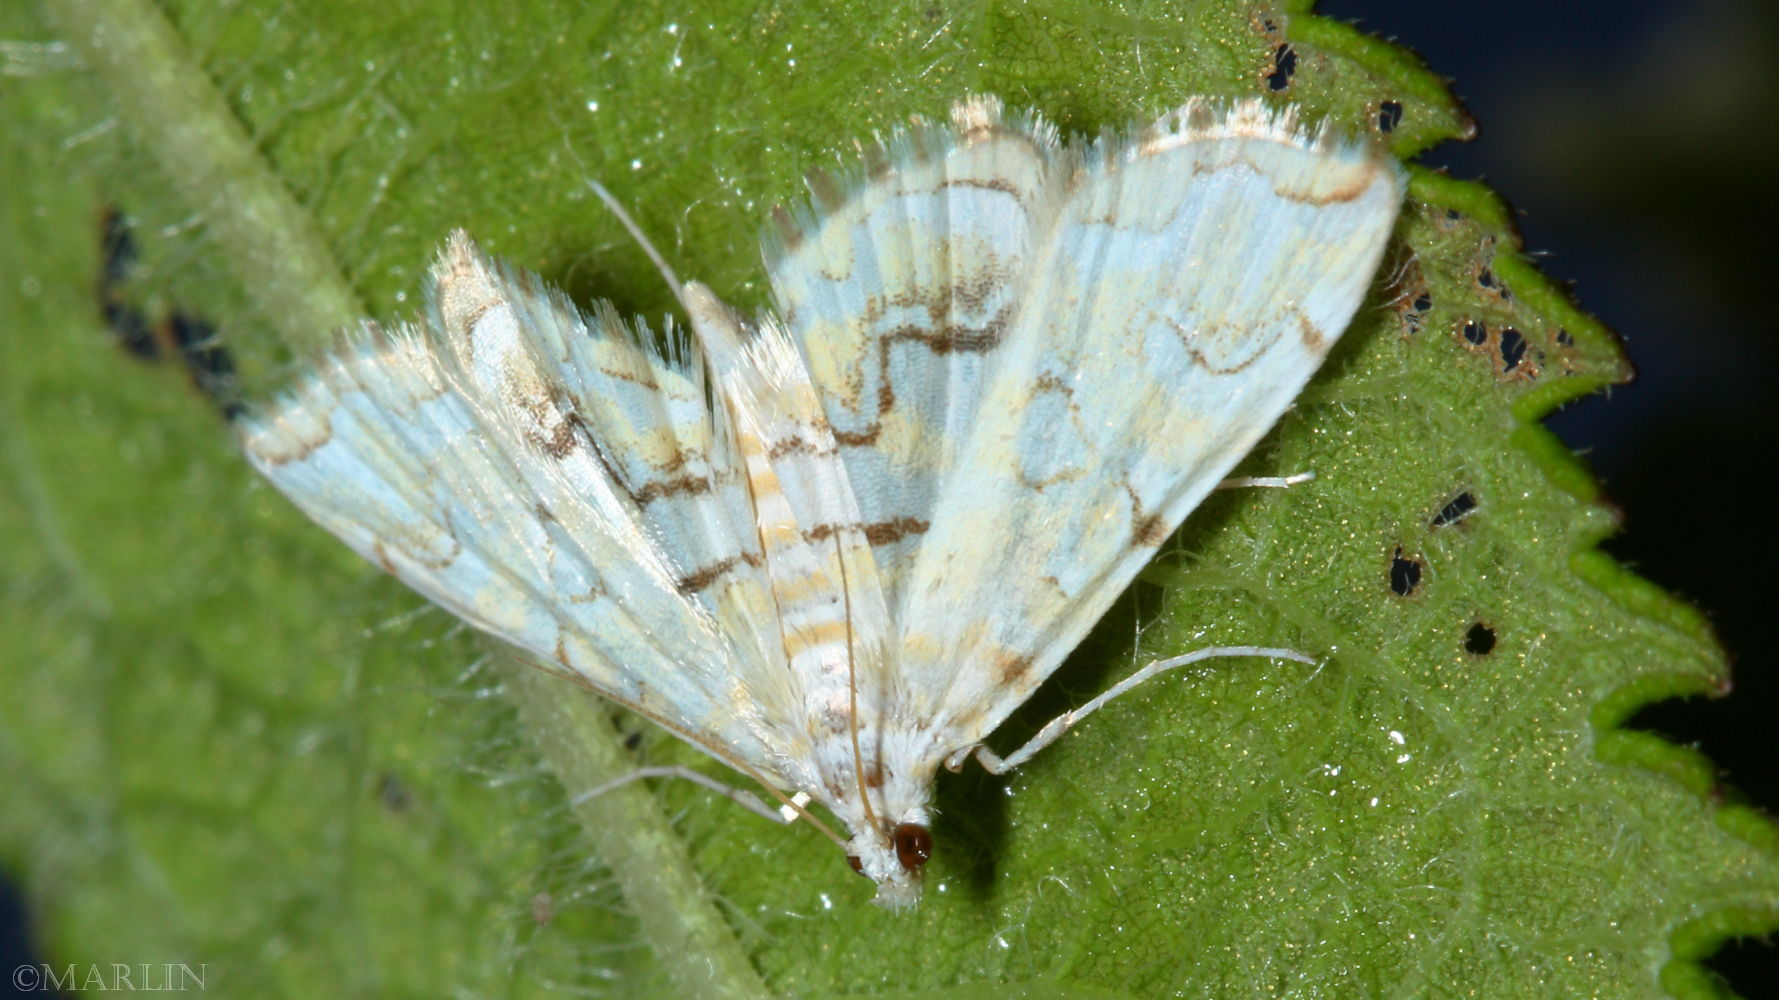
[(231, 744)]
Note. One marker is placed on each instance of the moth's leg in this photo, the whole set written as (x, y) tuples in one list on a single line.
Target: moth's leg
[(955, 762), (1244, 482), (740, 796), (996, 764)]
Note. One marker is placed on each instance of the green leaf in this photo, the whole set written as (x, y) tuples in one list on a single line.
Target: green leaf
[(230, 744)]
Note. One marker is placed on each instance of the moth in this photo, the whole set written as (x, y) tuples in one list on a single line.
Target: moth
[(836, 543)]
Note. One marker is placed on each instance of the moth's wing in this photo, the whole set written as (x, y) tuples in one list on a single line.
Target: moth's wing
[(897, 285), (1194, 277), (834, 623), (554, 481)]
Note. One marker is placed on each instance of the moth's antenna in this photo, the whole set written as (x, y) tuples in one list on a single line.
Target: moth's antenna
[(636, 233), (852, 688)]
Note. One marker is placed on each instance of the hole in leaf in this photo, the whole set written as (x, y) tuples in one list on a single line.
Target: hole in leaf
[(1476, 333), (1389, 116), (1480, 640), (1456, 509), (1423, 302), (1405, 573), (1513, 348), (1284, 67)]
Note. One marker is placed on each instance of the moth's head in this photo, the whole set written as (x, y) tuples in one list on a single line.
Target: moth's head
[(892, 856)]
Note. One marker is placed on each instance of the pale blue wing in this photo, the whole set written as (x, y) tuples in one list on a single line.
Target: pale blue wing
[(557, 483), (900, 285), (1192, 279)]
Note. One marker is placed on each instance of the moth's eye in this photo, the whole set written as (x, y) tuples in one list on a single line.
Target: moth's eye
[(914, 845), (857, 865)]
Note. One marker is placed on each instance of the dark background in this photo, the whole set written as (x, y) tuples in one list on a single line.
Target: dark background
[(1635, 140)]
